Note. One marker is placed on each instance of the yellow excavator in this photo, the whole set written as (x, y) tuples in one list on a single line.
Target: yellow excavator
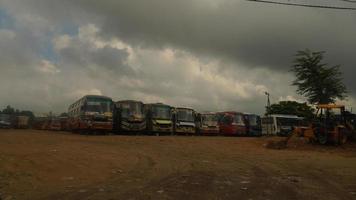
[(331, 125)]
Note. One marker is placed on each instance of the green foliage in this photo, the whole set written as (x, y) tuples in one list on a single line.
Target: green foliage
[(316, 81), (8, 110), (292, 108), (16, 112), (27, 113)]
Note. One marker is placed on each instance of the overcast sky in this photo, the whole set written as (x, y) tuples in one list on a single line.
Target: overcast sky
[(206, 54)]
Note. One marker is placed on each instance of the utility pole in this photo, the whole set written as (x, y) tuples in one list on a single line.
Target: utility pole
[(268, 114), (268, 100)]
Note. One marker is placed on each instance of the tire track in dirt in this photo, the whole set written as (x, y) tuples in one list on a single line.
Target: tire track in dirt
[(115, 185), (120, 167)]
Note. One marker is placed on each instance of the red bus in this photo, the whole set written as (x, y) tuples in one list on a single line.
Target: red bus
[(91, 113), (232, 123)]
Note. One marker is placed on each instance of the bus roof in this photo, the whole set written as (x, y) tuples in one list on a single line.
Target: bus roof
[(251, 114), (157, 104), (184, 108), (129, 101), (208, 113), (286, 116), (97, 96), (231, 112), (86, 97)]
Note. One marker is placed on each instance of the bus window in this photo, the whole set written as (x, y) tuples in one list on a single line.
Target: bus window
[(238, 119), (287, 121)]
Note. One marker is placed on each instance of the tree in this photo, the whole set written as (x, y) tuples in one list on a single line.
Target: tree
[(292, 108), (27, 113), (316, 81), (16, 112), (8, 110)]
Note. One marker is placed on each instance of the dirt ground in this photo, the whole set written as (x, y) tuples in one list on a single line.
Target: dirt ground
[(59, 165)]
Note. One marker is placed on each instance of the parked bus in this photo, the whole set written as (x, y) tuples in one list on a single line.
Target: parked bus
[(129, 116), (253, 124), (5, 121), (64, 123), (40, 123), (207, 124), (184, 121), (22, 122), (159, 118), (91, 113), (54, 124), (281, 125), (232, 123)]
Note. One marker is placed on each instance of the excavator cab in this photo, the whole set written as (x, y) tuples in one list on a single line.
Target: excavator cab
[(329, 125)]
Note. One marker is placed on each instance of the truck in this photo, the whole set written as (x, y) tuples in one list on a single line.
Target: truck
[(129, 117), (331, 124), (159, 118), (207, 123), (184, 121)]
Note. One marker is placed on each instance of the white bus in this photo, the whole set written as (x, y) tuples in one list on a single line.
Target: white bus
[(281, 125)]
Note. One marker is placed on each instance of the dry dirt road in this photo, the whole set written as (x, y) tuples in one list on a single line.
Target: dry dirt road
[(59, 165)]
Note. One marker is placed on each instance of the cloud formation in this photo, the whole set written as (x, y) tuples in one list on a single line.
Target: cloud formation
[(210, 55)]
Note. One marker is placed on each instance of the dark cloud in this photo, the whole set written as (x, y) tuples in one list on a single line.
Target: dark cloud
[(80, 54), (14, 53), (251, 34), (254, 34), (251, 44)]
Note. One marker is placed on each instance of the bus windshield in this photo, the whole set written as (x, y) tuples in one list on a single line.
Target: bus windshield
[(98, 105), (208, 119), (161, 112), (253, 120), (4, 117), (233, 119), (185, 115), (238, 119), (131, 108)]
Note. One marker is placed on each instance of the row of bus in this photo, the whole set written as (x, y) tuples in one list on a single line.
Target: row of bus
[(14, 121), (93, 113)]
